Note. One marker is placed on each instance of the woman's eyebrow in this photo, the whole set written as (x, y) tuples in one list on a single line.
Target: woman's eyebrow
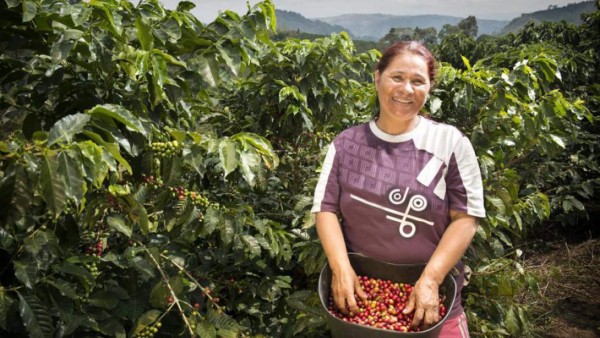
[(401, 72)]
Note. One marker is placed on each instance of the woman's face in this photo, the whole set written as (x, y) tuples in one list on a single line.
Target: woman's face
[(402, 88)]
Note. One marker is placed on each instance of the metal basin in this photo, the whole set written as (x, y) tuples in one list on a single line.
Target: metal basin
[(397, 273)]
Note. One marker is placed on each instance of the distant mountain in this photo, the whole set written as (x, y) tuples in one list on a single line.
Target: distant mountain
[(374, 26), (292, 21), (570, 13)]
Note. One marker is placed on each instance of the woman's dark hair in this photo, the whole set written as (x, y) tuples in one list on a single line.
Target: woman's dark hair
[(403, 47)]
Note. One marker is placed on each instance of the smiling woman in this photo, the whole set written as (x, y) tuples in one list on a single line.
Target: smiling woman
[(401, 189)]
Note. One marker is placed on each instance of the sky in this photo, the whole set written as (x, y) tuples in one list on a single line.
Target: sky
[(207, 10)]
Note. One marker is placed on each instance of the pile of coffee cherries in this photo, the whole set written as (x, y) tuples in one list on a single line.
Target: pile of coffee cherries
[(383, 307)]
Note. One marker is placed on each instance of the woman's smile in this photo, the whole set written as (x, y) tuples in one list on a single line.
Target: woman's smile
[(402, 101)]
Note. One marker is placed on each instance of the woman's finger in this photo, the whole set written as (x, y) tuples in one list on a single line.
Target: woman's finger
[(340, 302), (418, 317), (430, 318), (358, 290), (410, 305), (351, 302)]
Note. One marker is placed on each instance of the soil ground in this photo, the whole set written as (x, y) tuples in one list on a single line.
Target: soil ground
[(568, 301)]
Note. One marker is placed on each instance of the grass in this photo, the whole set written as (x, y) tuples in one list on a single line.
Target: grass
[(567, 303)]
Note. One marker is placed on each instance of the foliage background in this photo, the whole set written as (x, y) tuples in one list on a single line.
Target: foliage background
[(157, 173)]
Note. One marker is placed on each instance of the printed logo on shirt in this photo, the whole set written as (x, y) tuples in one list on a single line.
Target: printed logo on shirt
[(398, 197)]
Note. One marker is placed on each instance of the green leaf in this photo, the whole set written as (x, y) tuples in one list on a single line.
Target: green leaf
[(223, 333), (29, 10), (171, 172), (141, 63), (308, 221), (169, 58), (171, 28), (466, 62), (435, 105), (159, 72), (112, 327), (285, 92), (26, 272), (268, 10), (222, 321), (13, 3), (557, 140), (75, 270), (16, 194), (119, 189), (67, 127), (144, 34), (120, 114), (52, 183), (111, 148), (42, 242), (118, 223), (104, 299), (249, 162), (160, 292), (505, 287), (252, 245), (207, 70), (64, 288), (90, 157), (211, 220), (194, 157), (113, 25), (185, 6), (60, 50), (231, 58), (206, 329), (75, 186), (512, 323), (31, 124), (228, 156), (298, 300), (143, 321), (35, 316), (5, 304), (260, 143), (227, 231), (139, 215), (496, 202)]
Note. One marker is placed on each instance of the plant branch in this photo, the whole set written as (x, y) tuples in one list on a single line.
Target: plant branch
[(175, 299)]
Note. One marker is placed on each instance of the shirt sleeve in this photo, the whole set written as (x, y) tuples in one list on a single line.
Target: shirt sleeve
[(464, 183), (327, 191)]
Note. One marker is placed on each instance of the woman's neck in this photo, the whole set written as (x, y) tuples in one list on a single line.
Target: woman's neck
[(397, 128)]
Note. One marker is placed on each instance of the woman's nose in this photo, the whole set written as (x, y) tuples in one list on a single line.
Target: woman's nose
[(407, 86)]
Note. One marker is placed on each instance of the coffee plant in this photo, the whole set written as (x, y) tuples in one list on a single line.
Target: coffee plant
[(156, 172)]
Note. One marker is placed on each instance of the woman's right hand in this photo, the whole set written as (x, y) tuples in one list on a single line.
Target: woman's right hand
[(345, 286), (344, 282)]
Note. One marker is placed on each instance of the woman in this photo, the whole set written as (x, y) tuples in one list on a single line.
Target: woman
[(406, 189)]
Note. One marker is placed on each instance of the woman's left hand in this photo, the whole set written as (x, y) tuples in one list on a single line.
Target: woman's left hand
[(424, 301)]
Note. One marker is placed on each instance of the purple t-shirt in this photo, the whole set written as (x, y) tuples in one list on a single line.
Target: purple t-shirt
[(393, 193)]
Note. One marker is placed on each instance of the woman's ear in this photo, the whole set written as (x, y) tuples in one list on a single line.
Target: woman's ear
[(377, 77)]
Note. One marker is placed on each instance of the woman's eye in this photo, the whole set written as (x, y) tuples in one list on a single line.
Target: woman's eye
[(397, 78)]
